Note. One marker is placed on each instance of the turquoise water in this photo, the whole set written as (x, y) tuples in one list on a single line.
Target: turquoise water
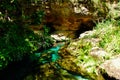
[(52, 53), (78, 77), (55, 56)]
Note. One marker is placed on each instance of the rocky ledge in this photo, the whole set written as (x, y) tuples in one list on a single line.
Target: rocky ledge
[(83, 56)]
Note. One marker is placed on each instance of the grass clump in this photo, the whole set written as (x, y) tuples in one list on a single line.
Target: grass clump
[(108, 32)]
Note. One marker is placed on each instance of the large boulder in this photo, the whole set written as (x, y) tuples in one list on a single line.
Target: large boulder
[(112, 68)]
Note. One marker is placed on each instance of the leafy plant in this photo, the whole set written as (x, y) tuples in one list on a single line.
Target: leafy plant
[(37, 17), (18, 41)]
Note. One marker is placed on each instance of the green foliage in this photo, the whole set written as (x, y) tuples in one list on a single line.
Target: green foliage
[(85, 47), (17, 10), (11, 9), (80, 49), (113, 10), (110, 40), (13, 45), (37, 17), (108, 32), (18, 41)]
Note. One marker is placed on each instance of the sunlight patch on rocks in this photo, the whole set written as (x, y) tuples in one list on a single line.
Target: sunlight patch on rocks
[(112, 67)]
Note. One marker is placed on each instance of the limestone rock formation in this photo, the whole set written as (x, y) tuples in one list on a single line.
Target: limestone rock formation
[(63, 17), (112, 67)]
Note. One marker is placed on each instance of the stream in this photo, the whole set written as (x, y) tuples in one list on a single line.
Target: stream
[(54, 57), (19, 70)]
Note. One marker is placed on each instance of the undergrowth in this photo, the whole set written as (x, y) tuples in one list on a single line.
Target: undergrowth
[(109, 34), (17, 41)]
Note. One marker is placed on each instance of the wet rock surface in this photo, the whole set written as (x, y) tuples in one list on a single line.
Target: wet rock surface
[(60, 36)]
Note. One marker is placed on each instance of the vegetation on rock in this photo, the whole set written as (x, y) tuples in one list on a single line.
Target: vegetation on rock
[(85, 55), (16, 39), (82, 56)]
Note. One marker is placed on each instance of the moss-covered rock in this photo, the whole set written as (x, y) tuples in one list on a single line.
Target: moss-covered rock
[(85, 55), (49, 71), (75, 57)]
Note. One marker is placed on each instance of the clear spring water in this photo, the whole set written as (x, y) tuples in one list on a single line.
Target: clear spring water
[(55, 56)]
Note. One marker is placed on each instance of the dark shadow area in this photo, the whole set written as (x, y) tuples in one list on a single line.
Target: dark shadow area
[(18, 70), (85, 27), (106, 77), (50, 26)]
